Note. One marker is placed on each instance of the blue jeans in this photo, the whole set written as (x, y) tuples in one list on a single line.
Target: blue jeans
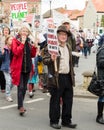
[(8, 83), (101, 99)]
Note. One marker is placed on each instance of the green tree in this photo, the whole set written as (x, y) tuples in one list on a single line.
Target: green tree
[(102, 21)]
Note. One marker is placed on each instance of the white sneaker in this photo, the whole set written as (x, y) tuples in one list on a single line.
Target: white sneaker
[(9, 99), (31, 94)]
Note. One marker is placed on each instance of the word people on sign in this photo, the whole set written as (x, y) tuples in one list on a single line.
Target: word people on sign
[(18, 10), (19, 6)]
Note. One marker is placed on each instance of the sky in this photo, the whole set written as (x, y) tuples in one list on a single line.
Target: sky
[(71, 4)]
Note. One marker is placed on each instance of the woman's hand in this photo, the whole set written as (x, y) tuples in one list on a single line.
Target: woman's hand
[(38, 51), (36, 42), (23, 39)]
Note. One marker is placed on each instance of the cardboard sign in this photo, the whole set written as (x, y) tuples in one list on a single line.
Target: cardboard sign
[(18, 10), (52, 38)]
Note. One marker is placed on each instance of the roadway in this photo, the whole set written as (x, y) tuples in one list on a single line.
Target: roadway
[(36, 117)]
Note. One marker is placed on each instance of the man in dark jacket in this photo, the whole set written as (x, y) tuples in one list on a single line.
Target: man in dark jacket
[(60, 81), (100, 74)]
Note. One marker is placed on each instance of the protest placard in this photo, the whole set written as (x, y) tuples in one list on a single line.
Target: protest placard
[(52, 37), (18, 10)]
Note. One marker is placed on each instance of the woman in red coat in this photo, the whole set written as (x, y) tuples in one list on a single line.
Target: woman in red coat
[(21, 53)]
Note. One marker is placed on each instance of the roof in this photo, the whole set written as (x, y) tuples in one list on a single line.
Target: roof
[(99, 5), (47, 13), (74, 14), (70, 13), (80, 14)]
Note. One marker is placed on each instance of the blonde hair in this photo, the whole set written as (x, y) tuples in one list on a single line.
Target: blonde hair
[(26, 26), (23, 28)]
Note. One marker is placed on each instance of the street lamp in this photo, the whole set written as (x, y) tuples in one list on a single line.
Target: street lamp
[(0, 6), (50, 7), (97, 23)]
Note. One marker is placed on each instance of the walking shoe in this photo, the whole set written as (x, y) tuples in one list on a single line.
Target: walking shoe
[(3, 90), (31, 94), (100, 120), (33, 90), (22, 111), (9, 99), (55, 126), (69, 125)]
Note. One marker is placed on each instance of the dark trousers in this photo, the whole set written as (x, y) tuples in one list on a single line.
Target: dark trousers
[(100, 106), (22, 88), (2, 81), (85, 51), (45, 75), (76, 60), (65, 91), (73, 60)]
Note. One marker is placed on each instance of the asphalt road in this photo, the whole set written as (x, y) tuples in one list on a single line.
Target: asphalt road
[(36, 118)]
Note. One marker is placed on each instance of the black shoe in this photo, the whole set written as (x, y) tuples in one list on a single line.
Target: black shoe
[(100, 120), (69, 125), (22, 111), (55, 126), (33, 90)]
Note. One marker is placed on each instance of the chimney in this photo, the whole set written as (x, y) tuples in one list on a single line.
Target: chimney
[(65, 7), (86, 2)]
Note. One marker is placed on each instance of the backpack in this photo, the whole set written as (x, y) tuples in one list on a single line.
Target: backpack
[(40, 67), (100, 57)]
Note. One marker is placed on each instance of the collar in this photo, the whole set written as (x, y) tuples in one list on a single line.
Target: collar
[(61, 45)]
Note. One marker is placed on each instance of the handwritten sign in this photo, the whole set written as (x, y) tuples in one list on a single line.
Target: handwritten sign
[(18, 10), (52, 38)]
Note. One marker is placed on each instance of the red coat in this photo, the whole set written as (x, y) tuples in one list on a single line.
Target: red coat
[(16, 62)]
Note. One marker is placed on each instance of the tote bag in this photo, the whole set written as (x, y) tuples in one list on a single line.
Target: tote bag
[(96, 86)]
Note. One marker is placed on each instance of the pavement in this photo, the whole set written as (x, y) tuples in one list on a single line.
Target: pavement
[(84, 65)]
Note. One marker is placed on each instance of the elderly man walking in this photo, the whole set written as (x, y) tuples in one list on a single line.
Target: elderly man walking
[(60, 82)]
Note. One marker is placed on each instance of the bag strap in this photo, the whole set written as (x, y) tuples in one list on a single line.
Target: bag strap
[(95, 69), (95, 72)]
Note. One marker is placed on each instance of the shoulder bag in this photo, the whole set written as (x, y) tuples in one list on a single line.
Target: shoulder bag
[(96, 86)]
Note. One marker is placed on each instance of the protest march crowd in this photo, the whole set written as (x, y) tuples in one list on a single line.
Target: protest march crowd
[(31, 58)]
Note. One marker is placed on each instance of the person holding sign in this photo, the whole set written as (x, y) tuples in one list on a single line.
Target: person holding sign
[(60, 81), (21, 63)]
